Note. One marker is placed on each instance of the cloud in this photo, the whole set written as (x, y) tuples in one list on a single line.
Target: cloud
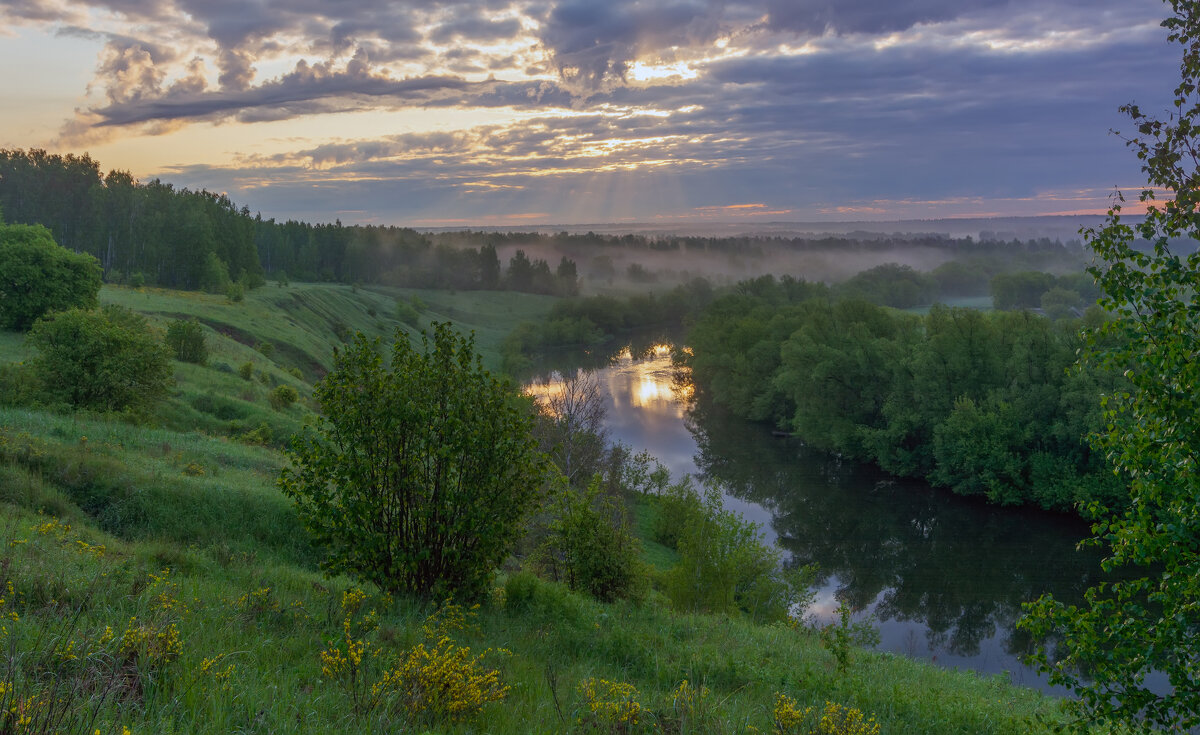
[(784, 103)]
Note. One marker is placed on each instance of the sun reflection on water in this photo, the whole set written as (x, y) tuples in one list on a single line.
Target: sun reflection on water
[(648, 383)]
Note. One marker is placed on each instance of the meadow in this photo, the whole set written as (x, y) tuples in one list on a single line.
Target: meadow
[(154, 570)]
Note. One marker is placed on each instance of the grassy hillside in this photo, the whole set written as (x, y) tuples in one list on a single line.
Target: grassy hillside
[(160, 572)]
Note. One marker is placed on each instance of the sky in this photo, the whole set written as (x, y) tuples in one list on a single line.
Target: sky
[(509, 112)]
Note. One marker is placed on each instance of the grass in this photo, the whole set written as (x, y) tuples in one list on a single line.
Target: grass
[(252, 612)]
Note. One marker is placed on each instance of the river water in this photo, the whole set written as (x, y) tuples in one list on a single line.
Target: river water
[(943, 576)]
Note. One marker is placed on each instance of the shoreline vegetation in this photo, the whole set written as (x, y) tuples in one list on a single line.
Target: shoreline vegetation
[(158, 566)]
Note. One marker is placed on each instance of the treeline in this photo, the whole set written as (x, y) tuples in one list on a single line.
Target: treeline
[(151, 232), (1040, 252), (980, 402), (172, 237)]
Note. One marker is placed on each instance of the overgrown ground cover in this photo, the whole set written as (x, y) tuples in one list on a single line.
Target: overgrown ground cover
[(160, 573)]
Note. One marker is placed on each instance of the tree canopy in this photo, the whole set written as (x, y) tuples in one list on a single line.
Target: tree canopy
[(1148, 623), (418, 474), (37, 276)]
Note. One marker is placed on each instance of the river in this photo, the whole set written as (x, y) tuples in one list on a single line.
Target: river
[(943, 576)]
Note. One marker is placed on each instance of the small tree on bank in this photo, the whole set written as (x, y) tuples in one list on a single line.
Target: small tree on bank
[(1129, 629), (417, 476)]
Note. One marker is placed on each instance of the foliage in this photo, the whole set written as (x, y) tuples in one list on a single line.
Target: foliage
[(589, 545), (725, 567), (609, 706), (246, 370), (834, 719), (282, 396), (981, 403), (186, 338), (38, 276), (844, 636), (418, 476), (106, 360), (1146, 621)]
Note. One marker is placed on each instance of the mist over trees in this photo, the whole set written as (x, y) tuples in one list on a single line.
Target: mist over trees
[(155, 234)]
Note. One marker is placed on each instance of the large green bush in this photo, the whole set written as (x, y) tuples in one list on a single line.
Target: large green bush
[(38, 276), (417, 476), (106, 360), (186, 338)]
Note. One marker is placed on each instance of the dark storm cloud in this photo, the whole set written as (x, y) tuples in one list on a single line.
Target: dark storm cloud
[(815, 17), (307, 90), (592, 42), (476, 29)]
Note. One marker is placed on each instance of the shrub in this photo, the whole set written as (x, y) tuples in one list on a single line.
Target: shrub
[(266, 349), (406, 313), (235, 292), (724, 566), (589, 546), (434, 438), (186, 338), (37, 276), (282, 397), (105, 360), (834, 719), (246, 370), (842, 637), (610, 706)]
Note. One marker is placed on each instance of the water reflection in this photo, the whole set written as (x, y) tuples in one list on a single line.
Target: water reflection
[(945, 576)]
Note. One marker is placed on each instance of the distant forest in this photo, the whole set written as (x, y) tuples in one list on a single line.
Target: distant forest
[(152, 233)]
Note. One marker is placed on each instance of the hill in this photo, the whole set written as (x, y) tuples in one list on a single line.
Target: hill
[(157, 571)]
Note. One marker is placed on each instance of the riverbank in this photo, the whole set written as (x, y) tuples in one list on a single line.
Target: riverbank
[(161, 571), (242, 595)]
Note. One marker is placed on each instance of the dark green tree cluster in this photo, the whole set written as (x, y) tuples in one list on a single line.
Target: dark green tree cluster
[(592, 320), (981, 403), (166, 235), (1057, 295), (38, 276), (891, 284)]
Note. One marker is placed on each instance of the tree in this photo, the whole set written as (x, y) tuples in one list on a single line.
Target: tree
[(106, 360), (417, 476), (1146, 623), (571, 424), (37, 276), (186, 338)]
